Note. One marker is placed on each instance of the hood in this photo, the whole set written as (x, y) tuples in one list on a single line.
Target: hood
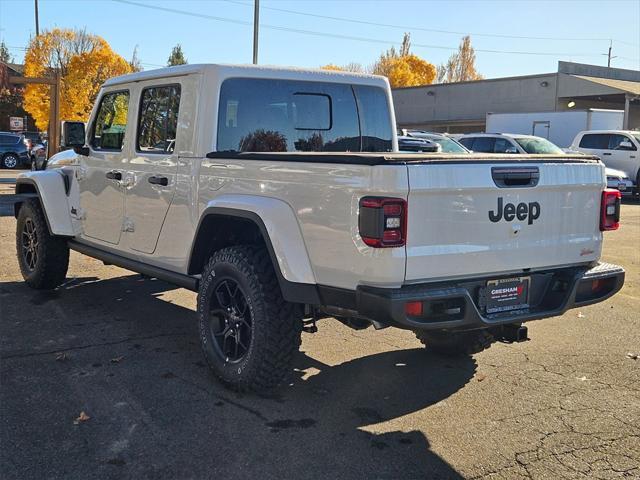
[(63, 159)]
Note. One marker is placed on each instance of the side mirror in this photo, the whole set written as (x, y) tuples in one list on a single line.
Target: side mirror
[(73, 134), (625, 145)]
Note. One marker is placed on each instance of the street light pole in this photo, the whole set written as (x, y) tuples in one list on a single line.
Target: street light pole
[(256, 22), (37, 20)]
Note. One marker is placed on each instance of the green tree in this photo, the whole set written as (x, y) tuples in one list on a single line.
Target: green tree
[(176, 57), (5, 56)]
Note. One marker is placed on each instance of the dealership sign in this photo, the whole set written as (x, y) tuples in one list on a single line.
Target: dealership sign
[(16, 123)]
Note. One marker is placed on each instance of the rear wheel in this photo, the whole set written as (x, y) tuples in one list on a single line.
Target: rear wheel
[(10, 160), (43, 258), (456, 343), (248, 332)]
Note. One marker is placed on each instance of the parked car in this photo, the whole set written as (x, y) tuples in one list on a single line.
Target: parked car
[(559, 127), (285, 201), (13, 151), (447, 143), (508, 143), (619, 180), (619, 149), (411, 144)]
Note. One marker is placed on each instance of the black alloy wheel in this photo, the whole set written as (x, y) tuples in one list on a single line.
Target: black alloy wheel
[(230, 321)]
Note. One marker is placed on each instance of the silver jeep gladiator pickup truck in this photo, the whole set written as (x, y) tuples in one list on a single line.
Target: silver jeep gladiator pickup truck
[(279, 196)]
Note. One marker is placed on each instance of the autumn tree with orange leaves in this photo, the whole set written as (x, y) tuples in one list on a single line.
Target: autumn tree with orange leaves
[(402, 68), (84, 62)]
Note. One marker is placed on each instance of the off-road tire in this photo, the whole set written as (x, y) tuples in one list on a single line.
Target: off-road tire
[(456, 343), (10, 160), (49, 269), (276, 324)]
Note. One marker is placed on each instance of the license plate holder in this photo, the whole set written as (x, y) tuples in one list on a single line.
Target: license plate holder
[(507, 294)]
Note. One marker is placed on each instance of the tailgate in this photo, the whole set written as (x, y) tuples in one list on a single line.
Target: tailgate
[(474, 219)]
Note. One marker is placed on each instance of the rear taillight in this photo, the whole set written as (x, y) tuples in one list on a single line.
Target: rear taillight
[(382, 221), (610, 210)]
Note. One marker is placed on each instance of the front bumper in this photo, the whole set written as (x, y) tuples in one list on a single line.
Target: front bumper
[(460, 304)]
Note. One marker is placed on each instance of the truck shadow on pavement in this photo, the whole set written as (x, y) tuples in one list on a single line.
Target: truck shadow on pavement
[(131, 360)]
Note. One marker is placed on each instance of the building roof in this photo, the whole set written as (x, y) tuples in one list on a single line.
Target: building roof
[(17, 68), (625, 86)]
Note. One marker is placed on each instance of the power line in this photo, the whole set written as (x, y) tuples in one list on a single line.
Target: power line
[(343, 37), (404, 27)]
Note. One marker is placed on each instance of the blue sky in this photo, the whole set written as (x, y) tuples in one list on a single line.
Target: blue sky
[(572, 30)]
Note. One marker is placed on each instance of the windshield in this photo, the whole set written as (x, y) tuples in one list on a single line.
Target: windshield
[(637, 135), (448, 145), (538, 145)]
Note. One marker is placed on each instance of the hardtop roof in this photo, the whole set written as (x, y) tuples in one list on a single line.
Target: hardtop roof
[(260, 71)]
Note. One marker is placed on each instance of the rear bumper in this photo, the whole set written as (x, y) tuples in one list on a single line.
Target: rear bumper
[(459, 304)]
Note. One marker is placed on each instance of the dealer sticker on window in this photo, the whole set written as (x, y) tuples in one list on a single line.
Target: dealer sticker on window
[(507, 294)]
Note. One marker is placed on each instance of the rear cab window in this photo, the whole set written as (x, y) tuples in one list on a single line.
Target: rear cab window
[(265, 115), (111, 122)]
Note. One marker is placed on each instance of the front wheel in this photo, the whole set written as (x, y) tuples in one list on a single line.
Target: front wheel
[(10, 160), (456, 343), (43, 258), (248, 332)]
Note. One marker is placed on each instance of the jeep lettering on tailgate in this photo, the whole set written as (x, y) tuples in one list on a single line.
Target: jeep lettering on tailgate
[(510, 211)]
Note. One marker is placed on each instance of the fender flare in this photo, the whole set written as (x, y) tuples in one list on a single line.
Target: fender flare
[(51, 187), (281, 232)]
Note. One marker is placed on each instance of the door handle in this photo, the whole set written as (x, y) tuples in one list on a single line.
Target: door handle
[(605, 153), (164, 181), (114, 175)]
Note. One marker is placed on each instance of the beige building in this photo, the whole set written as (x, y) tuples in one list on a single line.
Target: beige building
[(462, 107)]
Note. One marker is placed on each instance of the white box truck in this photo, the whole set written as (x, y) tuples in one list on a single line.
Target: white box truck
[(557, 127)]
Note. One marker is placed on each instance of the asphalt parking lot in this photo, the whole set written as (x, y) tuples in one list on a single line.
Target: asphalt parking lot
[(124, 350)]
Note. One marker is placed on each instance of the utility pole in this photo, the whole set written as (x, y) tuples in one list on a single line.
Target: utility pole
[(37, 20), (256, 22), (609, 57)]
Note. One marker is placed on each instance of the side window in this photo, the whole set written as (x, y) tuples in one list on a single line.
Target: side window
[(158, 119), (483, 144), (467, 142), (598, 141), (615, 140), (263, 115), (502, 145), (111, 122), (9, 139), (375, 124)]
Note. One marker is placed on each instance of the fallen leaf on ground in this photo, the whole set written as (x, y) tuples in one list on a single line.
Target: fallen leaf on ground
[(632, 356), (480, 377), (83, 417), (117, 359), (580, 315), (61, 357)]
